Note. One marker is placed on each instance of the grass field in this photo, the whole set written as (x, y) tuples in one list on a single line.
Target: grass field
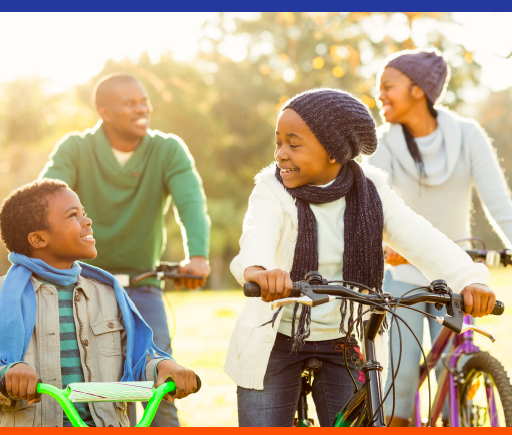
[(204, 322)]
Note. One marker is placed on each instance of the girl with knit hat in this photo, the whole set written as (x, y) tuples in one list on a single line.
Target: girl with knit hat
[(317, 209), (433, 158)]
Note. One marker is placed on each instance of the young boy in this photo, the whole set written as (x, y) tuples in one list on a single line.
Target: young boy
[(63, 321)]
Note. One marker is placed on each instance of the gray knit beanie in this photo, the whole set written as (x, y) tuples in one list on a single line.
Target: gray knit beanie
[(427, 69), (340, 122)]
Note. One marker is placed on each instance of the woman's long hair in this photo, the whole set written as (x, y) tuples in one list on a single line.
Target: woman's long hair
[(412, 146)]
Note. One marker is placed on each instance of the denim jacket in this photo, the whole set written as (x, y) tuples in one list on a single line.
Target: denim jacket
[(102, 344)]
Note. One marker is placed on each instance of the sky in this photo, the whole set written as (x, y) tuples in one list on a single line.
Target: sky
[(70, 48)]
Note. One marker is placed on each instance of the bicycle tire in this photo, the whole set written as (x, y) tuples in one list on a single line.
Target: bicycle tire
[(484, 362)]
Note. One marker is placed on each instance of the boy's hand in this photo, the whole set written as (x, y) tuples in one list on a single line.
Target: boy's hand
[(185, 379), (21, 383), (478, 300), (393, 258), (274, 284)]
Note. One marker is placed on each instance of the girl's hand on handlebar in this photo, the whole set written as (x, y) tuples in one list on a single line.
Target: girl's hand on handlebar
[(21, 383), (478, 300), (393, 258), (184, 379), (274, 284)]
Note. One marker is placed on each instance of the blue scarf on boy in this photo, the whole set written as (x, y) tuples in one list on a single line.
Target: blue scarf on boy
[(18, 312)]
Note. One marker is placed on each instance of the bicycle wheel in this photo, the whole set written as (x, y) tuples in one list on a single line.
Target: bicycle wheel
[(485, 395)]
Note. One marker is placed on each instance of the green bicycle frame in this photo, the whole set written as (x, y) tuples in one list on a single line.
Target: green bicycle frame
[(62, 397)]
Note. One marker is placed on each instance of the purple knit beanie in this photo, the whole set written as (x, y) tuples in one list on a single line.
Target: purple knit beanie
[(427, 69), (340, 122)]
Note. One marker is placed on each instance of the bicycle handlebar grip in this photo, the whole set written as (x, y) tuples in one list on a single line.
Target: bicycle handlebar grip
[(38, 395), (198, 380), (499, 308), (3, 389), (253, 290)]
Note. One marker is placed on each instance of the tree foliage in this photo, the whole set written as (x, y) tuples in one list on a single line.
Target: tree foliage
[(224, 104)]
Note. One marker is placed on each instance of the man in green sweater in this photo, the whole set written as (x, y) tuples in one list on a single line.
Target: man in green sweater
[(125, 175)]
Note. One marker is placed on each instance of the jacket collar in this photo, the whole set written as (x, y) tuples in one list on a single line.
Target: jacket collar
[(82, 284), (451, 128)]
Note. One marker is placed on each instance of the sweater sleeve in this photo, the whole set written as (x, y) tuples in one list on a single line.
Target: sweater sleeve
[(260, 233), (186, 188), (382, 158), (426, 247), (490, 184), (63, 162)]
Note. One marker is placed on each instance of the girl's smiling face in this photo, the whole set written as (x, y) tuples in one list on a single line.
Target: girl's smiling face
[(300, 156)]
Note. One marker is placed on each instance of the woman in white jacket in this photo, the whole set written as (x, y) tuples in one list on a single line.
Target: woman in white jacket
[(318, 209), (433, 158)]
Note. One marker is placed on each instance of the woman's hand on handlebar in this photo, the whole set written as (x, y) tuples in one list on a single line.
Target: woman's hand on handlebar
[(274, 284), (478, 300), (393, 258), (21, 383)]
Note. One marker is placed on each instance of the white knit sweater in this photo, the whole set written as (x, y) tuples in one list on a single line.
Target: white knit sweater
[(269, 237), (468, 160)]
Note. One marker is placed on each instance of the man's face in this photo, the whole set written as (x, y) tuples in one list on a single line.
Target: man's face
[(69, 237), (127, 110)]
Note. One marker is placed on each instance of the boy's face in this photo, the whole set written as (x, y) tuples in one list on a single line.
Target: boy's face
[(300, 156), (69, 237)]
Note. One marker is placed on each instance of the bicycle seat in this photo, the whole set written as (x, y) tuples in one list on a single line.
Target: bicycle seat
[(312, 365)]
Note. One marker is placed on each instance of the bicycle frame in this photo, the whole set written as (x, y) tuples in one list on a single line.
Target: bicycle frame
[(447, 384), (365, 405)]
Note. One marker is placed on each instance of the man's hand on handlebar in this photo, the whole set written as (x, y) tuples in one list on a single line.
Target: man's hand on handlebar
[(478, 300), (195, 266), (21, 383), (275, 284), (184, 379), (393, 258)]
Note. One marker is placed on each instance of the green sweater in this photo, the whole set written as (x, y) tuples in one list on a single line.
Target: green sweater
[(127, 204)]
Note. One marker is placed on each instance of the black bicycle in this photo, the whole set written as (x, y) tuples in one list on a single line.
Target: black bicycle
[(366, 407)]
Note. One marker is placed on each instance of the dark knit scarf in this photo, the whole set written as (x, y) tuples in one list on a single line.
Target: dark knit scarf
[(363, 260)]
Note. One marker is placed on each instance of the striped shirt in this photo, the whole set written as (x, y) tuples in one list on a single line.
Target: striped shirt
[(70, 363)]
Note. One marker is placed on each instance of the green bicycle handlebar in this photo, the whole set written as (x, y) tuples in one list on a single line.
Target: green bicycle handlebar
[(117, 392)]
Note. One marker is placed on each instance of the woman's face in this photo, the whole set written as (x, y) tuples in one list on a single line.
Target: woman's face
[(394, 96), (300, 156)]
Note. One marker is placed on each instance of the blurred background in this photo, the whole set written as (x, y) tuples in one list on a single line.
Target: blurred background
[(218, 79)]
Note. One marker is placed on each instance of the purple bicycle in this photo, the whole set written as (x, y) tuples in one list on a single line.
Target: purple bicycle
[(479, 394)]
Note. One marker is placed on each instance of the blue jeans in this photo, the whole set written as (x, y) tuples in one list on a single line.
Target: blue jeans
[(275, 405), (149, 302), (406, 381)]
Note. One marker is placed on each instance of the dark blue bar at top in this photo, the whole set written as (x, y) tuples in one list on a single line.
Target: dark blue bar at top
[(255, 6)]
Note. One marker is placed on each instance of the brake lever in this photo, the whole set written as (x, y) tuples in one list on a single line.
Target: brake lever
[(304, 300), (466, 327)]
